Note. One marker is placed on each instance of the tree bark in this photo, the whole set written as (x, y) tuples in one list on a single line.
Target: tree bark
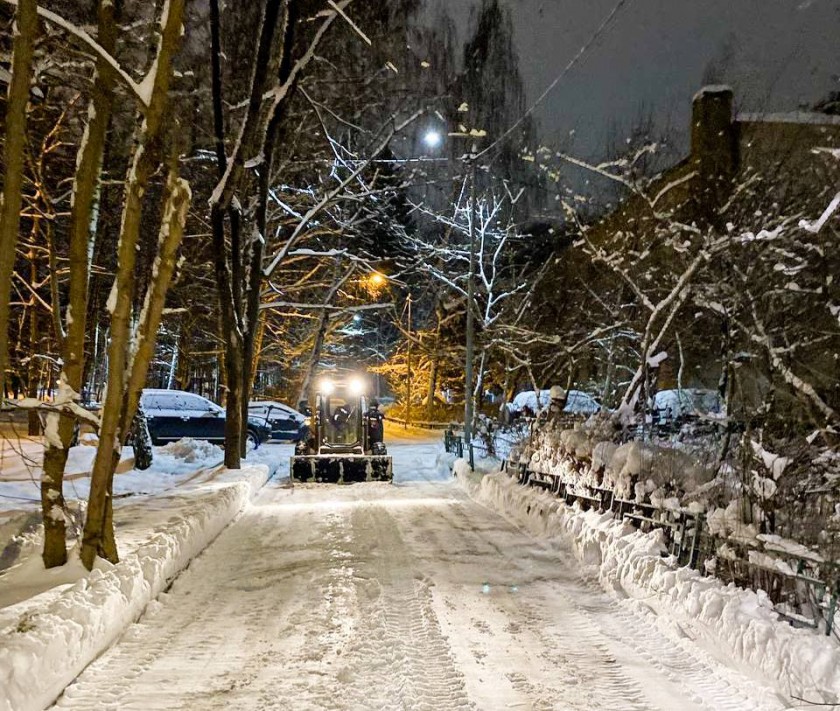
[(26, 27), (32, 367), (98, 533), (82, 228), (434, 360), (238, 275), (256, 244)]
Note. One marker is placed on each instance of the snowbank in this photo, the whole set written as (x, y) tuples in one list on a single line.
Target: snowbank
[(740, 622), (47, 649)]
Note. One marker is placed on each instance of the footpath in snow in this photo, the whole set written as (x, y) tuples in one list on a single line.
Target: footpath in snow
[(410, 595), (54, 623)]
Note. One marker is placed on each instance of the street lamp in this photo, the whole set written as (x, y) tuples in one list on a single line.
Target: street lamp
[(468, 374), (408, 368), (433, 139)]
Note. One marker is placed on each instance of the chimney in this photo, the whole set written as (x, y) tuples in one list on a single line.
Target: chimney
[(714, 148)]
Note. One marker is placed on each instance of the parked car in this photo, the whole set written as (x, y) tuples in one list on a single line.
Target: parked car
[(680, 406), (174, 414), (577, 402), (581, 403), (286, 423)]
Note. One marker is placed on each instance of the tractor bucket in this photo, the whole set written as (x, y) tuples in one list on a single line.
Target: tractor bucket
[(341, 468)]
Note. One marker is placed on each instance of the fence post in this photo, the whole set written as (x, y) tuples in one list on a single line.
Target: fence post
[(459, 447), (472, 456), (678, 546), (832, 609), (694, 556)]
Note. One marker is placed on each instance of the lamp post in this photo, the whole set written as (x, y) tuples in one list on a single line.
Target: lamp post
[(468, 370), (408, 397), (433, 139)]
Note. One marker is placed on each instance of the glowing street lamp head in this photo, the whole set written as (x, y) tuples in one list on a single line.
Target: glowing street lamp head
[(432, 138), (327, 386), (377, 280)]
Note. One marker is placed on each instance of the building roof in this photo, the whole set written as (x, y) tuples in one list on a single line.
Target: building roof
[(801, 117)]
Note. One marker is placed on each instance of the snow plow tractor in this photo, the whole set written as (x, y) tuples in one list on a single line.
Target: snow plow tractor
[(344, 443)]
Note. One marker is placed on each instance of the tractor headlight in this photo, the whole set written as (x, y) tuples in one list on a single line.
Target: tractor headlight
[(327, 386), (357, 386)]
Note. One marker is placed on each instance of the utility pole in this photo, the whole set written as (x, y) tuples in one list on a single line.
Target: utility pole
[(468, 387), (408, 398)]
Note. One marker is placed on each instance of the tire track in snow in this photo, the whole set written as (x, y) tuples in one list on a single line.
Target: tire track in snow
[(714, 686), (584, 662), (402, 645), (565, 661), (606, 630), (212, 642)]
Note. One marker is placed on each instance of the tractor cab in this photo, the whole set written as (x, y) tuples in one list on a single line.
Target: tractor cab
[(345, 437)]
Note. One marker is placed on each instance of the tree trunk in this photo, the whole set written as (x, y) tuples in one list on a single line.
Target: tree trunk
[(430, 393), (136, 368), (82, 229), (320, 337), (26, 27), (32, 367), (173, 364), (478, 392), (238, 275), (434, 361), (98, 533), (231, 334)]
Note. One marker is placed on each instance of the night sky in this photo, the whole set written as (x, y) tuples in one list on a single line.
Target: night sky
[(778, 55)]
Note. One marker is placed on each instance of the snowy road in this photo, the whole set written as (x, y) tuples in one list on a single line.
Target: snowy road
[(408, 596)]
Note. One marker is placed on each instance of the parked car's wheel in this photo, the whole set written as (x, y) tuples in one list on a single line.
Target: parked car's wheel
[(252, 441)]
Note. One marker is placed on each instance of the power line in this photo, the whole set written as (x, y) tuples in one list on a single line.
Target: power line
[(602, 28)]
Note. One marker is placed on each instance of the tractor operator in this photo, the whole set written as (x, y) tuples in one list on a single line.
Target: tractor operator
[(375, 422)]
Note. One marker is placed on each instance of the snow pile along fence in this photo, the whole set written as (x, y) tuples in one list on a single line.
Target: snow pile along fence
[(739, 621), (47, 649), (715, 519)]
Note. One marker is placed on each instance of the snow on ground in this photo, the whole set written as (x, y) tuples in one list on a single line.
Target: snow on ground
[(20, 470), (176, 466), (53, 623), (413, 596), (737, 626)]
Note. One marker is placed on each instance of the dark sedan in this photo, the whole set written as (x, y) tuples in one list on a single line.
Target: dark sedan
[(287, 424), (174, 414)]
